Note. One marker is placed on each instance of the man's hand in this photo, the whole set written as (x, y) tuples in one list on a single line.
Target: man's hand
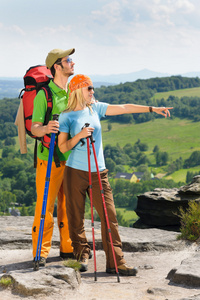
[(39, 130), (52, 127)]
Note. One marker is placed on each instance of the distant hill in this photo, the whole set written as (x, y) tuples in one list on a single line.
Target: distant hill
[(100, 84), (10, 88), (191, 74), (142, 74), (130, 77)]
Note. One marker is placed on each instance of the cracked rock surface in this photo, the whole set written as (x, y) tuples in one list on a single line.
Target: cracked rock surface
[(51, 279), (167, 268)]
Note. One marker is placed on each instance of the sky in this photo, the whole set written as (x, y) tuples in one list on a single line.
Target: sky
[(110, 36)]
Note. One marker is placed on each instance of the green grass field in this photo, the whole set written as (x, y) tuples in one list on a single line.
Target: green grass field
[(180, 175), (129, 215), (175, 136), (193, 92)]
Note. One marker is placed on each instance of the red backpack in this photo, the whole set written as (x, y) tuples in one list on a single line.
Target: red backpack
[(37, 78)]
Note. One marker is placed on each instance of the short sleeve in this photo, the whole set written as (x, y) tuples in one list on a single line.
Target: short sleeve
[(63, 123), (40, 107), (100, 108)]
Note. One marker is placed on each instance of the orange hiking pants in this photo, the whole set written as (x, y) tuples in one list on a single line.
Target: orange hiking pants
[(55, 190)]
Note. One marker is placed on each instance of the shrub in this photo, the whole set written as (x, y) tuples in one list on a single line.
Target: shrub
[(190, 221), (5, 281), (72, 263)]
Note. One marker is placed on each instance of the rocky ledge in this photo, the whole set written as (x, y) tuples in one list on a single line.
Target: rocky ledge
[(160, 207), (16, 234)]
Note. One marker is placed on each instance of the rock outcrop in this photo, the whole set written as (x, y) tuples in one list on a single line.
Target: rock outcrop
[(160, 208), (16, 234), (47, 280), (187, 273)]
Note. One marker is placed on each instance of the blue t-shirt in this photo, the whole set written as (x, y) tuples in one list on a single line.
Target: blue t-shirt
[(72, 122)]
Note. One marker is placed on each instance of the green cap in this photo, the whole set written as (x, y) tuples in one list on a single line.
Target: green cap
[(55, 54)]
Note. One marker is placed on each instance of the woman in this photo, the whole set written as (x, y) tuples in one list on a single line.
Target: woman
[(76, 185)]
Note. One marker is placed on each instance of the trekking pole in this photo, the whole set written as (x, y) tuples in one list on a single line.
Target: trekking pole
[(44, 204), (91, 203), (104, 204)]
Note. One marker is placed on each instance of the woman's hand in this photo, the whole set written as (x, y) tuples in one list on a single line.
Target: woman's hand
[(86, 131), (164, 111)]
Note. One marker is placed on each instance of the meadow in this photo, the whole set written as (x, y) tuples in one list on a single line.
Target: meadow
[(192, 92), (175, 136)]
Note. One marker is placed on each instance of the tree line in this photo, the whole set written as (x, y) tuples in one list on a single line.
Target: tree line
[(117, 157), (139, 92), (142, 92)]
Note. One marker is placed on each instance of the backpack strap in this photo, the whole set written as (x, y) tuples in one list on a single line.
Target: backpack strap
[(20, 94), (35, 154), (55, 154), (48, 95)]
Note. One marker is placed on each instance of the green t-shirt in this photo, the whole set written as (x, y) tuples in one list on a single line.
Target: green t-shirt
[(60, 100)]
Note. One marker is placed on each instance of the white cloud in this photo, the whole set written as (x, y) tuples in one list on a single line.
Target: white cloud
[(16, 29), (55, 30), (110, 13), (185, 6), (11, 30)]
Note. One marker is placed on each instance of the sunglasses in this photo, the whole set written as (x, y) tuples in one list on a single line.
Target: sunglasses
[(90, 88), (68, 60)]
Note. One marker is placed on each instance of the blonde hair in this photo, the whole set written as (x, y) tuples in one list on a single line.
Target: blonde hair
[(76, 97)]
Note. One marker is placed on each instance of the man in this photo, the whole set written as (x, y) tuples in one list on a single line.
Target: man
[(62, 67)]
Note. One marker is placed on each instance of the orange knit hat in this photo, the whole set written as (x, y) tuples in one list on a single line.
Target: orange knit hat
[(79, 81)]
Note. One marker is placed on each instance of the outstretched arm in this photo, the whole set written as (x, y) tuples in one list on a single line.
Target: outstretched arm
[(113, 110), (65, 145)]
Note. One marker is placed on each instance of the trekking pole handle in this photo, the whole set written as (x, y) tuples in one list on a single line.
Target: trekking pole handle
[(91, 136), (55, 117)]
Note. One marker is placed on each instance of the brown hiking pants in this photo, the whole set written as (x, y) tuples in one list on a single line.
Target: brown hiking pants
[(76, 185)]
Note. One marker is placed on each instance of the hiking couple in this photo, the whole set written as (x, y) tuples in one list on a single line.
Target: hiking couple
[(75, 104)]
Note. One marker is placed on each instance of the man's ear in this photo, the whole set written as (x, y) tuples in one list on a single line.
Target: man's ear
[(56, 67)]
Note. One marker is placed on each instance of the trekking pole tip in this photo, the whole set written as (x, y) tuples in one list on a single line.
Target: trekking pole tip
[(36, 265), (95, 276), (118, 279)]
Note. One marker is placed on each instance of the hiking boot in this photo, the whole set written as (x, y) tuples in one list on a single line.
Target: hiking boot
[(123, 270), (84, 264), (64, 255), (90, 255), (42, 261)]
